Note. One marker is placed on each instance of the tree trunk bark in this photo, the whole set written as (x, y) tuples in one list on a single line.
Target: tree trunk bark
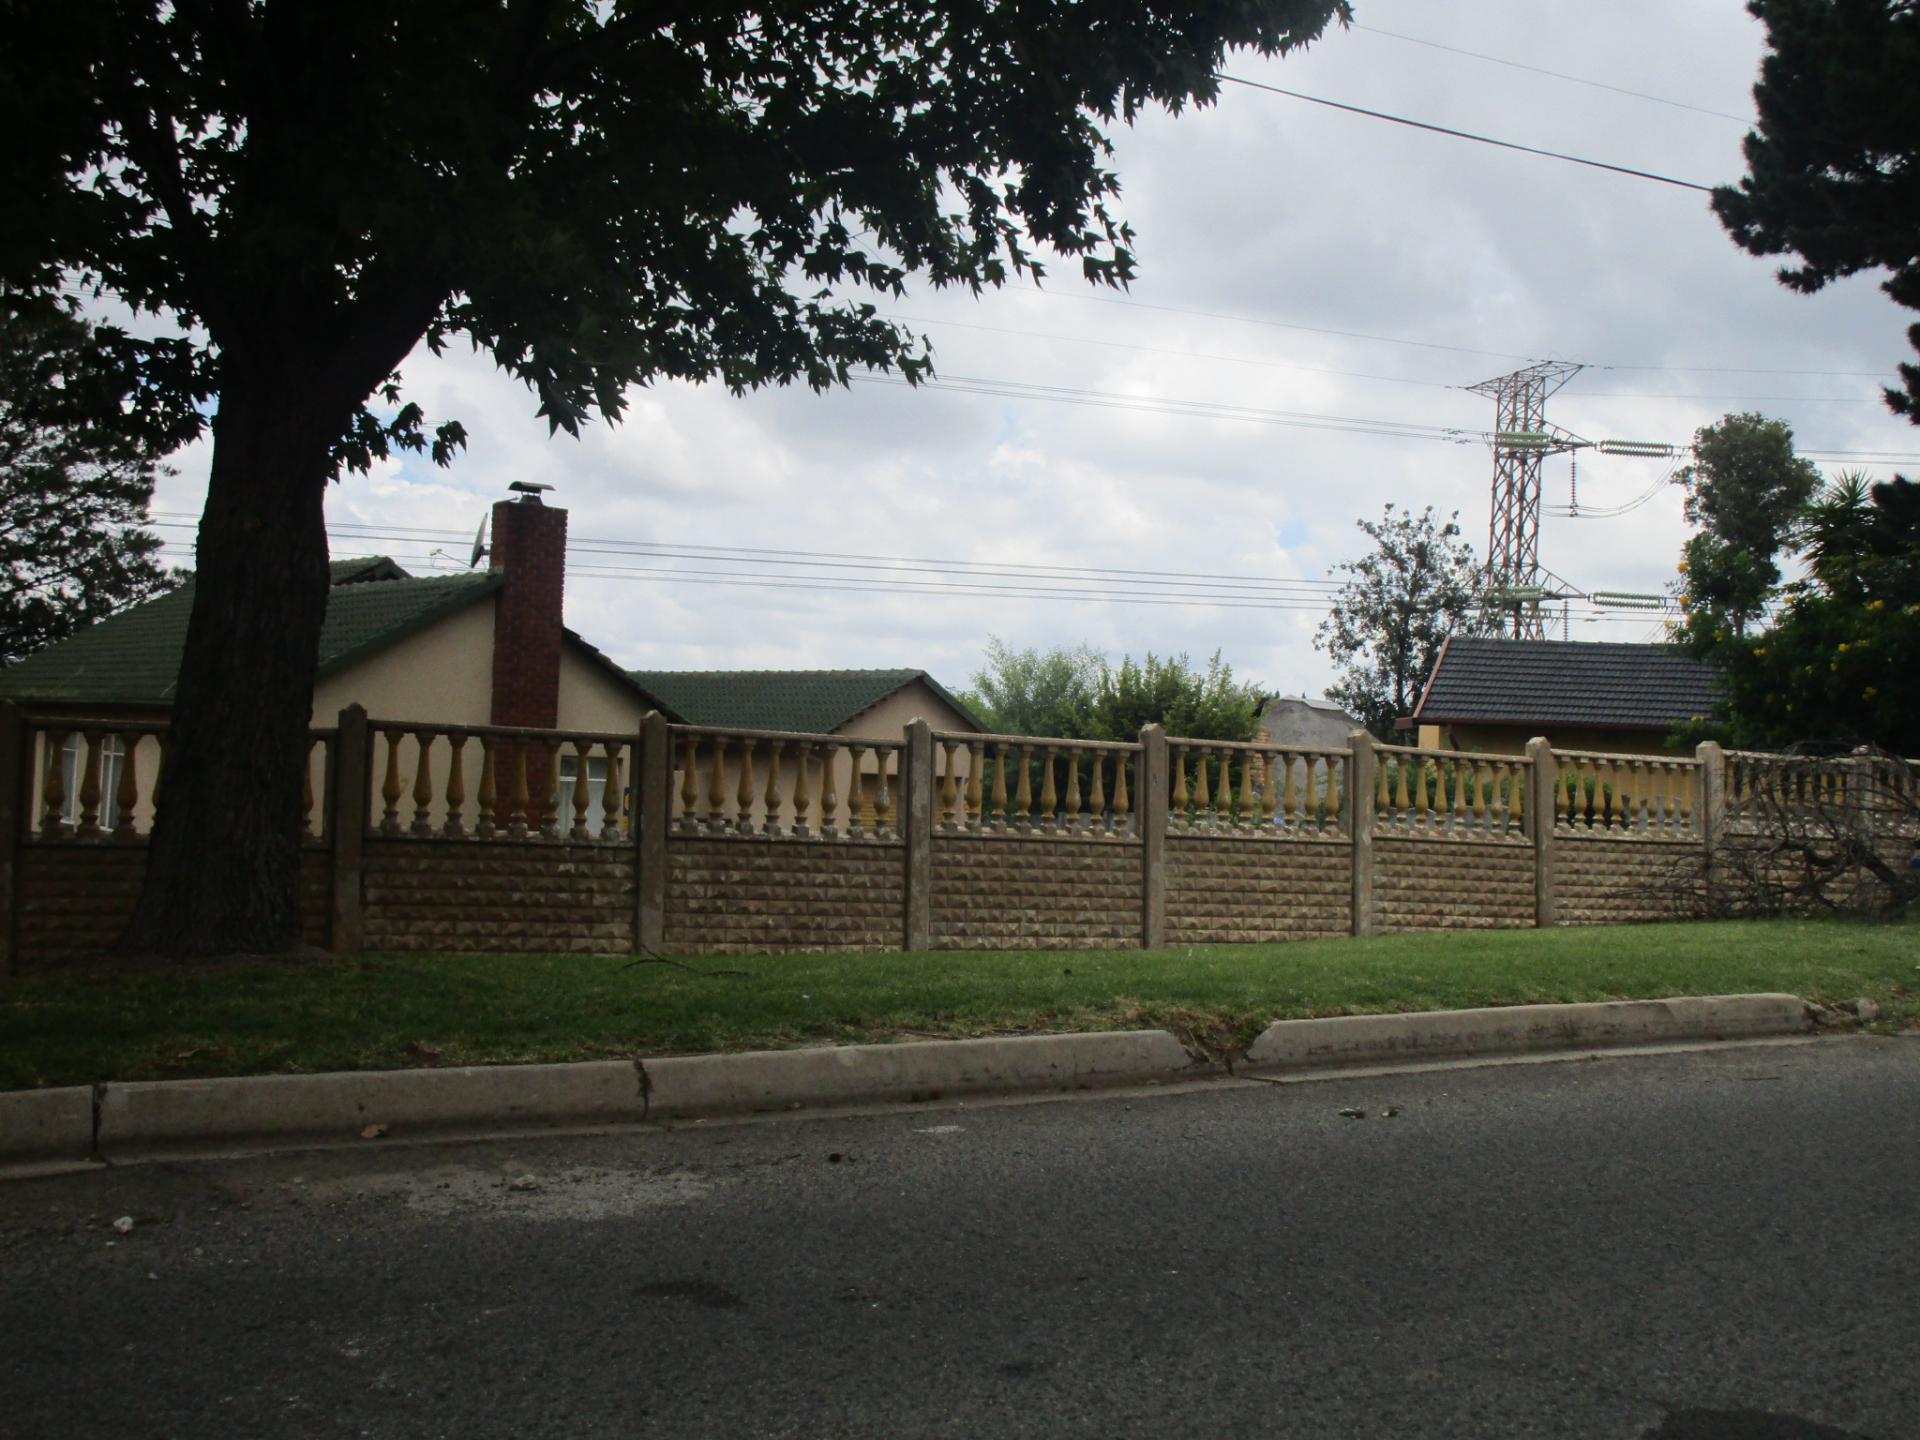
[(223, 865)]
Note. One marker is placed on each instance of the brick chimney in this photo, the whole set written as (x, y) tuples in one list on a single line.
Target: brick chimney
[(530, 546)]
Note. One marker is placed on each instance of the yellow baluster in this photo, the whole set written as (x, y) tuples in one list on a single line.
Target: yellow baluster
[(976, 768), (518, 821), (1049, 797), (1073, 817), (1336, 790), (1247, 762), (860, 815), (743, 797), (1000, 788), (949, 785), (1122, 804), (802, 793), (456, 785), (53, 785), (423, 782), (611, 793), (391, 789), (717, 787), (483, 827), (690, 786), (826, 802), (1178, 755), (126, 798), (775, 755), (1202, 796), (1097, 795), (1023, 788)]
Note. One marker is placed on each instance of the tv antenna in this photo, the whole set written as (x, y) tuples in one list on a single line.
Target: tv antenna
[(479, 544)]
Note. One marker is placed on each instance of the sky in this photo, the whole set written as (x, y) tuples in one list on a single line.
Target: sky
[(1311, 265)]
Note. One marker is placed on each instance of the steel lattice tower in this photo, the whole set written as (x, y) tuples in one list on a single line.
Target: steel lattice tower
[(1521, 440)]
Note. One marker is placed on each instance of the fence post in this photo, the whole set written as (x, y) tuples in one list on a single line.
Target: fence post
[(15, 796), (1150, 805), (1358, 804), (1546, 775), (652, 814), (916, 825), (347, 790), (1712, 797)]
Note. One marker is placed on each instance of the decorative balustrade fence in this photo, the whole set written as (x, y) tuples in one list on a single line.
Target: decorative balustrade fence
[(1270, 791), (1633, 795), (701, 840), (1452, 794), (775, 785), (1020, 785)]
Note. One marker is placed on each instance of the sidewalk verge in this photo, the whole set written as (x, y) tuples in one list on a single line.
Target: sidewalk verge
[(121, 1121)]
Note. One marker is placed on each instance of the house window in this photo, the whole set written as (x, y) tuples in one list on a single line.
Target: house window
[(73, 759), (596, 790)]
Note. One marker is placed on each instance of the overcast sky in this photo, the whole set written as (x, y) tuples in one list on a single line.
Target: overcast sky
[(1445, 262)]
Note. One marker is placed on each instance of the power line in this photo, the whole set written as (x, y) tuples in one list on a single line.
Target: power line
[(1556, 74), (1132, 304), (1467, 134)]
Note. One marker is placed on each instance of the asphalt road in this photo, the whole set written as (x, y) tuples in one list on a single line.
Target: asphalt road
[(1716, 1246)]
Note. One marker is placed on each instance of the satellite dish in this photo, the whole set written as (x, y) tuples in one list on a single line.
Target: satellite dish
[(479, 544)]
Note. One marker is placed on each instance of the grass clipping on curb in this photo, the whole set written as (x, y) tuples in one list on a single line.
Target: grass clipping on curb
[(399, 1011)]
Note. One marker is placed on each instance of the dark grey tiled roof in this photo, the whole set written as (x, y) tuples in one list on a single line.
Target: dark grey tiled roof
[(814, 702), (1565, 682)]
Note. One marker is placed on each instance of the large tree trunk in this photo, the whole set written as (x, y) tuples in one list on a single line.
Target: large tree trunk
[(224, 863)]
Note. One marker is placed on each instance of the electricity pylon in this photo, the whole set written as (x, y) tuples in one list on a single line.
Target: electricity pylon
[(1521, 439)]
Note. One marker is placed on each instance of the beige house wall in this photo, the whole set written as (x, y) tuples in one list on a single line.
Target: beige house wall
[(1512, 739)]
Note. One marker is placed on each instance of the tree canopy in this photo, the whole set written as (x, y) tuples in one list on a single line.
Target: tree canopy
[(77, 471), (1840, 664), (1832, 174), (1745, 489), (1073, 694), (1419, 584), (596, 193)]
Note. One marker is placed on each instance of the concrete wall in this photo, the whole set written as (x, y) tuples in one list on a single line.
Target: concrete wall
[(1224, 891), (498, 897), (1619, 882), (1005, 893), (1447, 884), (730, 896)]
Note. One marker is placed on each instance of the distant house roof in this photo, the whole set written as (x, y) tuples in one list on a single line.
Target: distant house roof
[(133, 658), (1488, 681), (814, 702), (364, 567)]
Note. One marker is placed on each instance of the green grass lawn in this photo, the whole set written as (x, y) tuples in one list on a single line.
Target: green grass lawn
[(407, 1010)]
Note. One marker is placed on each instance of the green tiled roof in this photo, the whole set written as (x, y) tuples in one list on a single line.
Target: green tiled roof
[(134, 658), (364, 567), (809, 701)]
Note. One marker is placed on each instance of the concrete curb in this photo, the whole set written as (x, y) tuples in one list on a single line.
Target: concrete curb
[(37, 1126), (127, 1121), (1519, 1029), (169, 1115), (915, 1070)]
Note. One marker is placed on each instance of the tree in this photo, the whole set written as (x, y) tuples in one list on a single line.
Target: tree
[(76, 475), (1030, 692), (1420, 584), (1744, 488), (1840, 665), (1202, 705), (595, 192), (1832, 175)]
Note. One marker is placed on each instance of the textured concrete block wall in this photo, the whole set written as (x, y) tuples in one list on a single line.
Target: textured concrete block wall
[(75, 898), (1451, 885), (998, 893), (742, 896), (498, 896), (1223, 891), (1622, 882)]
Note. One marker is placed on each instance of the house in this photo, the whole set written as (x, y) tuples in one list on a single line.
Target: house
[(1296, 720), (477, 649), (1493, 695)]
